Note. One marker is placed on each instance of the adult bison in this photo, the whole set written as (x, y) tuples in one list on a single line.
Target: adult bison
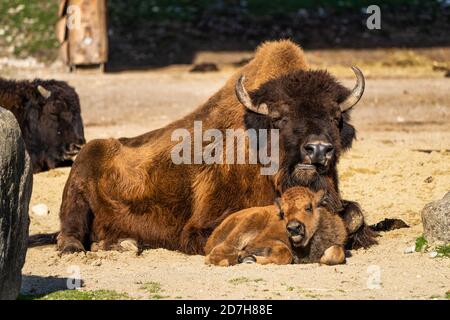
[(131, 188), (48, 112)]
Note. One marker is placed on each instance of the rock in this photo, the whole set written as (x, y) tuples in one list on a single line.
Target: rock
[(204, 67), (15, 192), (40, 210), (432, 254), (436, 220), (129, 245), (409, 250), (96, 263), (429, 179)]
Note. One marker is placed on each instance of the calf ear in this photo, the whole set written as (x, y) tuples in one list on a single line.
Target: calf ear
[(322, 198), (279, 208)]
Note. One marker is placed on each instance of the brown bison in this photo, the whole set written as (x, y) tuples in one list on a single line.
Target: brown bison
[(48, 112), (298, 228), (131, 187)]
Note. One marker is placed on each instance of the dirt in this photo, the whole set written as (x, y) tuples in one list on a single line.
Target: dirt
[(400, 162)]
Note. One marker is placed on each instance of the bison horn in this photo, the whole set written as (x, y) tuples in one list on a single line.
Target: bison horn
[(356, 93), (245, 99), (44, 92)]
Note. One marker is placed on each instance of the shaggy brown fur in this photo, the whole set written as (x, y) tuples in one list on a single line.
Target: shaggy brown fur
[(130, 188), (262, 234), (51, 126)]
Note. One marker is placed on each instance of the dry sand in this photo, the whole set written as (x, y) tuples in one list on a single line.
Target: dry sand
[(384, 172)]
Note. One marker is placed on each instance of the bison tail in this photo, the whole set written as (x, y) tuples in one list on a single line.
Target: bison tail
[(389, 224), (42, 239)]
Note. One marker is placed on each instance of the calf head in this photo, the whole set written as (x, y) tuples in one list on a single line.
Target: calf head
[(53, 126), (300, 208), (311, 109)]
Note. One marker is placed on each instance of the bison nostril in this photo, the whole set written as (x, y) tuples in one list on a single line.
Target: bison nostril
[(310, 149), (329, 148), (295, 228)]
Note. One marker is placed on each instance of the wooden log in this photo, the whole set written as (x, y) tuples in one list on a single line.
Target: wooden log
[(87, 40), (64, 52), (62, 8), (61, 29)]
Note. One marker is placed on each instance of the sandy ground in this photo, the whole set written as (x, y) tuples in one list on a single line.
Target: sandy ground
[(403, 140)]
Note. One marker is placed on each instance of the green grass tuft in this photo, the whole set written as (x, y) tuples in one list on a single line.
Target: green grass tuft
[(421, 244), (444, 250), (78, 295), (154, 289)]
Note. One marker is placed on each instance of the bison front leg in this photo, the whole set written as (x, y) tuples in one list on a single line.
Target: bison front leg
[(75, 216), (206, 216)]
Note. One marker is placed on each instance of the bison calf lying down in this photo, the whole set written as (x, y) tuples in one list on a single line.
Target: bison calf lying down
[(297, 229), (48, 112)]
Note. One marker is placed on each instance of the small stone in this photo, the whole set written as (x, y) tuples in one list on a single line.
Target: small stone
[(129, 245), (433, 254), (40, 210), (96, 263), (429, 179), (409, 250)]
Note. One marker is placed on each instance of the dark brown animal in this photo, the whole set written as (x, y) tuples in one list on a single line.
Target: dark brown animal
[(298, 228), (48, 112), (131, 188)]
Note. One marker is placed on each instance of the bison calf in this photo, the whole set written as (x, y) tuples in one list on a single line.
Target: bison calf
[(48, 112), (297, 229)]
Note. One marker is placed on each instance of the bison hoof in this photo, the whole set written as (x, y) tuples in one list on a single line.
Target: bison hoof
[(71, 248), (69, 245), (248, 260)]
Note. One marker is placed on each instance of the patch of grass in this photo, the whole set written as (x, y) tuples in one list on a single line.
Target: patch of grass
[(290, 289), (78, 295), (242, 280), (444, 250), (239, 280), (27, 27), (151, 287), (447, 295), (421, 244), (154, 289)]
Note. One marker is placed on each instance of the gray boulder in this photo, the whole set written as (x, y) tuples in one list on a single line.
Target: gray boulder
[(436, 220), (15, 191)]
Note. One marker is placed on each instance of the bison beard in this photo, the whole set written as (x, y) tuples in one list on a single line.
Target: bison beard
[(130, 188)]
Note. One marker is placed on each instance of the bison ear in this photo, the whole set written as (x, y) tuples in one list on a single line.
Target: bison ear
[(44, 92), (322, 198), (279, 208)]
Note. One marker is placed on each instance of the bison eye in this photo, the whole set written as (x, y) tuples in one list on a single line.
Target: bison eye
[(308, 208)]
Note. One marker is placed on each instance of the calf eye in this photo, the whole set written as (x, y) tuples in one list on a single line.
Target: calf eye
[(308, 208)]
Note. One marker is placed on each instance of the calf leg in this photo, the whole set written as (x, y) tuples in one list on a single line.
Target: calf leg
[(333, 255), (273, 251), (223, 255)]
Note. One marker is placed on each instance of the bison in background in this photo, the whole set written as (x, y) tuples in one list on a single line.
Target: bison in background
[(49, 115)]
